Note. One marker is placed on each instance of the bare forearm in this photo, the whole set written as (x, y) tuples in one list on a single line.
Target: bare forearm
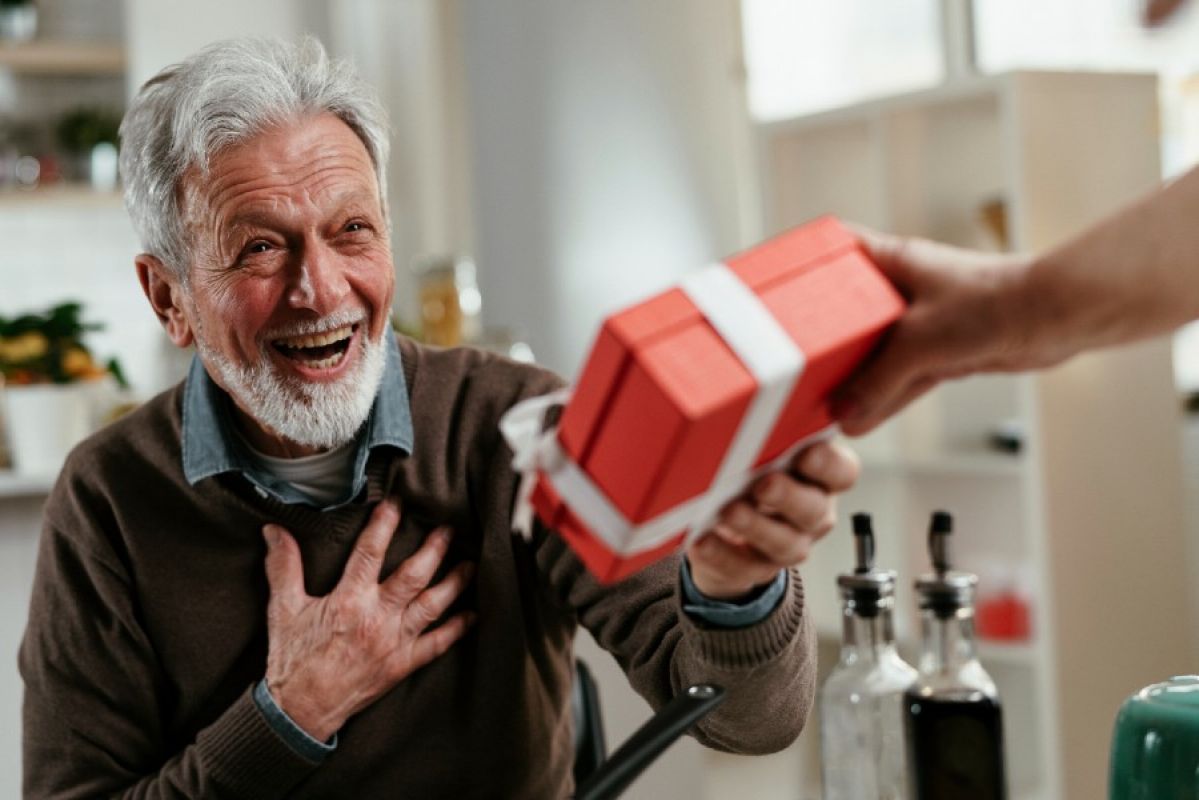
[(1129, 277)]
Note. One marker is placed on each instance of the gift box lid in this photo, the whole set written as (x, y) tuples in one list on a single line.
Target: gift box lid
[(662, 394)]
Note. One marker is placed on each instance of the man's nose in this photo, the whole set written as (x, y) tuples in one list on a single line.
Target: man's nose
[(319, 283)]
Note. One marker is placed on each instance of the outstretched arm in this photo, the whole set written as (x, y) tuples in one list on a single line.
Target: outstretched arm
[(1132, 276)]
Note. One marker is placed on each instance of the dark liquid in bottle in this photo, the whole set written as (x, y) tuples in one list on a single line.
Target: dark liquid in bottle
[(955, 747)]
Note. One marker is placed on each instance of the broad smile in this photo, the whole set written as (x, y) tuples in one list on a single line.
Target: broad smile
[(317, 354)]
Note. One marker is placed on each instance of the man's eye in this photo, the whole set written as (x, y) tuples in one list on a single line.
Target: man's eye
[(255, 248), (354, 227)]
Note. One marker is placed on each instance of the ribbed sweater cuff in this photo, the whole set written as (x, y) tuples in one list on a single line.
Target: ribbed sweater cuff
[(247, 756), (746, 648)]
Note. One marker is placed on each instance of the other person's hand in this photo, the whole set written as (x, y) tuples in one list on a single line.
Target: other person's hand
[(774, 525), (967, 312), (330, 657)]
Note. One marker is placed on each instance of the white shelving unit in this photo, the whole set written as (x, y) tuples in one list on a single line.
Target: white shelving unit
[(1092, 509), (16, 484), (57, 58), (70, 196)]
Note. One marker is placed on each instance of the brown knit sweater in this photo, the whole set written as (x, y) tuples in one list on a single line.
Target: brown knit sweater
[(147, 625)]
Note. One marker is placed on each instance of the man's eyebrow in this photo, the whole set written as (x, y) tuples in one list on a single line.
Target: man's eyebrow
[(261, 218), (250, 219), (357, 200)]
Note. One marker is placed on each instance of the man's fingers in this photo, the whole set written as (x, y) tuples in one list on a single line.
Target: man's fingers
[(432, 602), (434, 643), (783, 542), (362, 568), (831, 465), (801, 504), (410, 578), (730, 562), (284, 569)]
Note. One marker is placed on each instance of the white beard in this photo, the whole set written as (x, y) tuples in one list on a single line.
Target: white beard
[(321, 415)]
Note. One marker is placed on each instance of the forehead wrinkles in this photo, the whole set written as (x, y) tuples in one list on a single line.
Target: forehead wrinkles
[(327, 176), (322, 151)]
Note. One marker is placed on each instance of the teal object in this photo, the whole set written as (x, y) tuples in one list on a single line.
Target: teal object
[(1155, 746)]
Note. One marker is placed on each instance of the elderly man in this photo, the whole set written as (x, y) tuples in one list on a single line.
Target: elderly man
[(402, 642)]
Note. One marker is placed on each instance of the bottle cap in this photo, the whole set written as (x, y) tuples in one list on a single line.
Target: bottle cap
[(945, 591), (866, 589)]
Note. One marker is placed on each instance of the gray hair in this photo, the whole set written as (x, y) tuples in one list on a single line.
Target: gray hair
[(223, 95)]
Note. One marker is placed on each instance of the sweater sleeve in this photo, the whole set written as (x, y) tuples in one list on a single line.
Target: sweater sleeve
[(768, 669), (95, 697)]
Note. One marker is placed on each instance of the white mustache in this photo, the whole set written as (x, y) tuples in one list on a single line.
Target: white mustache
[(316, 326)]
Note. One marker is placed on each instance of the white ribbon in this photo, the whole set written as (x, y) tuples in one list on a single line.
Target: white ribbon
[(766, 351), (770, 355), (532, 450)]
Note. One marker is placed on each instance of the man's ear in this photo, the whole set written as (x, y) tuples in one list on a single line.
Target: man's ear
[(164, 291)]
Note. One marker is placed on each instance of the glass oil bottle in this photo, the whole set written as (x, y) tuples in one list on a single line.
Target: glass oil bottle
[(861, 724), (953, 719)]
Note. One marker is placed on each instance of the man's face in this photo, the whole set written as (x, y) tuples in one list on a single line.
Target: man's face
[(291, 282)]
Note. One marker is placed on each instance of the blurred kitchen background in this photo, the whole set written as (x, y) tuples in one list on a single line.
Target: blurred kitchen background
[(553, 161)]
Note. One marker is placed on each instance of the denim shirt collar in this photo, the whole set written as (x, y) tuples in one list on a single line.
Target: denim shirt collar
[(211, 446)]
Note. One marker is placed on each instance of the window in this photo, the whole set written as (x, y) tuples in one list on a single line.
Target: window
[(806, 55), (1082, 34)]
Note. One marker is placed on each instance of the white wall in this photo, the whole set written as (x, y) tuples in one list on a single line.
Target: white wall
[(161, 32), (405, 50), (608, 143), (20, 519), (409, 52)]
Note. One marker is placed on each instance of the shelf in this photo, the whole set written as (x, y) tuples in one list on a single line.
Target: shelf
[(1062, 150), (812, 791), (921, 100), (70, 195), (14, 484), (1031, 792), (989, 652), (64, 58), (1013, 653), (984, 464)]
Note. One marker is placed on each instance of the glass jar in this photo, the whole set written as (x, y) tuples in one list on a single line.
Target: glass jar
[(450, 302)]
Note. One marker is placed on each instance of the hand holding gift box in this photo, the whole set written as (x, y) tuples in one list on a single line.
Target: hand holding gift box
[(687, 398)]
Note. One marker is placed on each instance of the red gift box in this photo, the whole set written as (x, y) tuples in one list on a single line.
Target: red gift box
[(677, 409)]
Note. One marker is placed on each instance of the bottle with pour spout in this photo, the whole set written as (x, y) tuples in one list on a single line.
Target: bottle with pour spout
[(861, 723), (953, 719)]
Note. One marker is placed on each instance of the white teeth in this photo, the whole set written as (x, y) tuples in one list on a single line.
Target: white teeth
[(327, 363), (317, 339)]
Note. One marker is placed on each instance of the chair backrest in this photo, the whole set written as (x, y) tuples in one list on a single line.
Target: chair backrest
[(590, 746)]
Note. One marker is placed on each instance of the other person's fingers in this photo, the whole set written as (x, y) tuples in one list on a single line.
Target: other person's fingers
[(895, 375), (861, 418), (887, 251), (968, 311)]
